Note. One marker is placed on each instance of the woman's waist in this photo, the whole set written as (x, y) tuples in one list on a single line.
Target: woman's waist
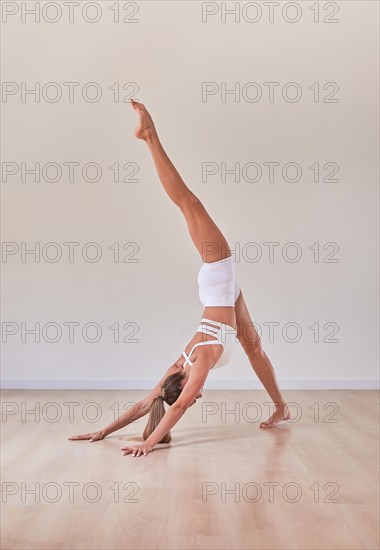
[(225, 315), (219, 329)]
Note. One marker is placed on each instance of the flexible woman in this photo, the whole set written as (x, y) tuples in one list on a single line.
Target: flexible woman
[(225, 318)]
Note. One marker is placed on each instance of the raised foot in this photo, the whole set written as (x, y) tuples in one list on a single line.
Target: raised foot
[(145, 127), (279, 415)]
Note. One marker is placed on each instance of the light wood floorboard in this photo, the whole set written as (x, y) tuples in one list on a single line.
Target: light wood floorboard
[(324, 471)]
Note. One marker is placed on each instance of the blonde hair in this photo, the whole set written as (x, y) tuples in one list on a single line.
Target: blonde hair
[(170, 391)]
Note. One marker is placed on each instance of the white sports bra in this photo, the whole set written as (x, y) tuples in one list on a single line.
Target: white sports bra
[(225, 336)]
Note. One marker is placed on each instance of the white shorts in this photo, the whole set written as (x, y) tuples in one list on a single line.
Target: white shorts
[(217, 283)]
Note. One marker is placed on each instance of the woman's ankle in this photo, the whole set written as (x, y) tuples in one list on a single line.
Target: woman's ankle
[(151, 136)]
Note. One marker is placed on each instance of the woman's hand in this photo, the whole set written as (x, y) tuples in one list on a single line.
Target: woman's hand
[(137, 450), (94, 436)]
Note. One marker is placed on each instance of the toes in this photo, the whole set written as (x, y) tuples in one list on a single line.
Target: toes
[(267, 424)]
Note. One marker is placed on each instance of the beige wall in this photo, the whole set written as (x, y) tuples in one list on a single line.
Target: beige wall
[(169, 53)]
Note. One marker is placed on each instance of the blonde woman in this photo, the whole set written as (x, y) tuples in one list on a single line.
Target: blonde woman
[(225, 318)]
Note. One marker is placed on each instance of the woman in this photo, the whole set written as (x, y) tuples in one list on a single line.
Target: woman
[(224, 309)]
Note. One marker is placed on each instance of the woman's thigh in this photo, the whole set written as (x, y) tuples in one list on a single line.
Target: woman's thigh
[(246, 332), (206, 235)]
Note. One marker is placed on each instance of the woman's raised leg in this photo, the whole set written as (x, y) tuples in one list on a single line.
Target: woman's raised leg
[(207, 237)]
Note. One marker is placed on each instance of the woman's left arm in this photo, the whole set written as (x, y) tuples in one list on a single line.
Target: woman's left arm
[(197, 377)]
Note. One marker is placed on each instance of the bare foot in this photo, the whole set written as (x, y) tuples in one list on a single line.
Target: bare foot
[(281, 413), (145, 127)]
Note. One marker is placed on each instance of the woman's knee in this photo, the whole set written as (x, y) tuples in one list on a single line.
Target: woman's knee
[(249, 339), (190, 203), (253, 350)]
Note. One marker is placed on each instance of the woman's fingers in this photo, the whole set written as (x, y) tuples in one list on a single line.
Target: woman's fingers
[(137, 450), (83, 436), (129, 450), (96, 436)]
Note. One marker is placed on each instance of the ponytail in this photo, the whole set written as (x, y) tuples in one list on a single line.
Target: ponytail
[(156, 414), (170, 391)]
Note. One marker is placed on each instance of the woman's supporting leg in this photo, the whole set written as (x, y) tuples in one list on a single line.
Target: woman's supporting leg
[(251, 343), (207, 237)]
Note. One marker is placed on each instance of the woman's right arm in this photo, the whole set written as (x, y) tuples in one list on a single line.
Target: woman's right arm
[(141, 408), (137, 411)]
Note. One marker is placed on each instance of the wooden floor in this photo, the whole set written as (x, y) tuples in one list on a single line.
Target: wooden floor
[(222, 483)]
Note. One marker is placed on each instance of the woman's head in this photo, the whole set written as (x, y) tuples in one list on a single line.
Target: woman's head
[(170, 391)]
